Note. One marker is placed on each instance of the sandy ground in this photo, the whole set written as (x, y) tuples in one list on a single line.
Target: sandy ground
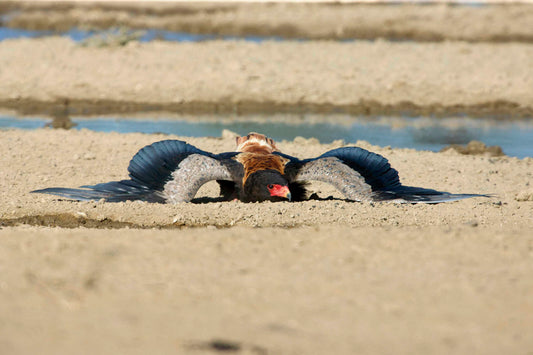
[(231, 77), (319, 290), (472, 60), (317, 277), (431, 22), (47, 158)]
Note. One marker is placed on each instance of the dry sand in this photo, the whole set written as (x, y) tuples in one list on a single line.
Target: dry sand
[(220, 76), (431, 22), (483, 67), (317, 277), (311, 290), (47, 158)]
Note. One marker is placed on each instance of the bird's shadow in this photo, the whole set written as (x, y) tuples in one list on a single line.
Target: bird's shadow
[(206, 199), (312, 197)]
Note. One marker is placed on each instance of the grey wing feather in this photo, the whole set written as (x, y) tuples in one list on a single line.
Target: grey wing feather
[(114, 191), (333, 171), (166, 171), (361, 175), (193, 172)]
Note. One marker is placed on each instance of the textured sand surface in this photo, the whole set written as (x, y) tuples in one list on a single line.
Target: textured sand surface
[(220, 76), (343, 278), (458, 60), (47, 158), (323, 276), (430, 22), (310, 290)]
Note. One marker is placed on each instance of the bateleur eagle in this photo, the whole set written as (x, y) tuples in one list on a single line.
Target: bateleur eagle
[(172, 171)]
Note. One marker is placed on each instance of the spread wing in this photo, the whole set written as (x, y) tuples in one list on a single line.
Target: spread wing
[(361, 175), (168, 171)]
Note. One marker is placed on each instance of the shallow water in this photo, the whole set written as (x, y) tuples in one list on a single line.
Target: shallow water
[(146, 35), (515, 138)]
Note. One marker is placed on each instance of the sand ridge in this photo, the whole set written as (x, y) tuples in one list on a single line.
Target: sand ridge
[(430, 22), (456, 60), (231, 77)]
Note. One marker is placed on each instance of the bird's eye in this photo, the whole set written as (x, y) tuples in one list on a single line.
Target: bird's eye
[(270, 186)]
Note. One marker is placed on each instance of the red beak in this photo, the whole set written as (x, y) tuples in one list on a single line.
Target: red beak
[(280, 191)]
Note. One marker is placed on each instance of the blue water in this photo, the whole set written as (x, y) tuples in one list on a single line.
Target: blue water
[(78, 35), (515, 138), (9, 33)]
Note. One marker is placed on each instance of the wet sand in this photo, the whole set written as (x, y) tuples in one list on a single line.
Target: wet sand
[(318, 277), (313, 277)]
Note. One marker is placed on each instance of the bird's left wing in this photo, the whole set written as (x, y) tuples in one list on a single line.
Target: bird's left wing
[(329, 169), (361, 175), (168, 171)]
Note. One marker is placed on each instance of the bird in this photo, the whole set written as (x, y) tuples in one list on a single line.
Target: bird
[(172, 171)]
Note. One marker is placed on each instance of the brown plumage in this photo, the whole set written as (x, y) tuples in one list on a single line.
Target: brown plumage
[(256, 157), (256, 143), (257, 154), (172, 171), (254, 162)]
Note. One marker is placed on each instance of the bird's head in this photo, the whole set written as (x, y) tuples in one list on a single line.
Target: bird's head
[(266, 185)]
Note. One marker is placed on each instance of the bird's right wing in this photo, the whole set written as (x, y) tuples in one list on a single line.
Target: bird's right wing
[(167, 171)]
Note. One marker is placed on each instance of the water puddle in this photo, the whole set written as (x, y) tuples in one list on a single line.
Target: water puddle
[(114, 34), (421, 133)]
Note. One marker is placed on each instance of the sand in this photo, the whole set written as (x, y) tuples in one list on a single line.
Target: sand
[(265, 278), (323, 276), (47, 158), (432, 22), (312, 290), (470, 75), (233, 77)]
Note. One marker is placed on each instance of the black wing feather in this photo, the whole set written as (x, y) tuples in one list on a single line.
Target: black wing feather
[(150, 169), (374, 168), (382, 181), (154, 164)]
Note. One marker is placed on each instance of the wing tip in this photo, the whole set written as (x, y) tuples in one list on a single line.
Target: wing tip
[(74, 194), (438, 198)]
